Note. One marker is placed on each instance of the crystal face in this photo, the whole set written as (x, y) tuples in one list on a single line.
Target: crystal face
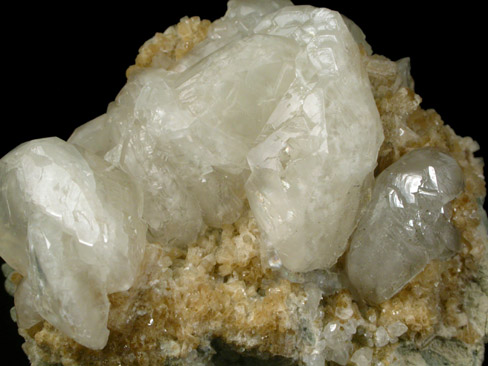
[(70, 225), (405, 225), (319, 145)]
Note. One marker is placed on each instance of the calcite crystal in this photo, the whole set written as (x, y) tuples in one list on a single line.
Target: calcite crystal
[(194, 143), (70, 224), (263, 188), (406, 224)]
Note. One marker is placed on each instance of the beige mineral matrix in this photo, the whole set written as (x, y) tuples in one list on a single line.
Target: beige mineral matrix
[(265, 189)]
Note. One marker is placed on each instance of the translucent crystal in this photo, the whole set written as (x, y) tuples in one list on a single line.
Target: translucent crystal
[(406, 224), (184, 134), (70, 224), (396, 329), (336, 337), (362, 357), (318, 147), (275, 92), (381, 337), (94, 136), (25, 305)]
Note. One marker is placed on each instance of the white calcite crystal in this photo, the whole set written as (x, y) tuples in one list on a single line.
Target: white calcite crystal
[(318, 147), (70, 224), (280, 101), (362, 357), (406, 224)]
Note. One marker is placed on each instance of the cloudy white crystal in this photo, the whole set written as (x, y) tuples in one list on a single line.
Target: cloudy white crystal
[(184, 134), (276, 97), (362, 357), (406, 224), (319, 146), (70, 224)]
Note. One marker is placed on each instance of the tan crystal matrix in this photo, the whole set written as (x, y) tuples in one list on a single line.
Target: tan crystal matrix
[(216, 296)]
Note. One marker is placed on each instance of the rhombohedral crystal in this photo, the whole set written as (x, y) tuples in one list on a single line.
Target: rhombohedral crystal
[(264, 187)]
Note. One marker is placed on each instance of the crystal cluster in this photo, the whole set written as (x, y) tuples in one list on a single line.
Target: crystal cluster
[(289, 113), (233, 191)]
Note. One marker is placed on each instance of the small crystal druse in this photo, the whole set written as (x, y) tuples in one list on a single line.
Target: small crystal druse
[(275, 189)]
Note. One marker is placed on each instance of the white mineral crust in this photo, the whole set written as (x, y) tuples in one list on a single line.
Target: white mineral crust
[(406, 224), (276, 96), (70, 224)]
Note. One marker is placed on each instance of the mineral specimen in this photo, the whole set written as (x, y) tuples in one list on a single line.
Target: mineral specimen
[(262, 187)]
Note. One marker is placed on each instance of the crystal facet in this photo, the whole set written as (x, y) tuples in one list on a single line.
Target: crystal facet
[(318, 147), (406, 224), (70, 224), (280, 100)]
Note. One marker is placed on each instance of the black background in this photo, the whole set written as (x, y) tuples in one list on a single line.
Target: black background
[(62, 65)]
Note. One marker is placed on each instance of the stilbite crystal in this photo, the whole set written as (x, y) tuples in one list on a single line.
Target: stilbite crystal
[(406, 224), (69, 223)]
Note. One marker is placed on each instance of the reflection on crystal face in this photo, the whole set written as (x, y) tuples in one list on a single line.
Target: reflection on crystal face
[(405, 225), (276, 97), (321, 142), (70, 224)]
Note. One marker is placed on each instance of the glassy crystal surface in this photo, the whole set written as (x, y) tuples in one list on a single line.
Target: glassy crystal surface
[(277, 97), (318, 147), (406, 224), (70, 224)]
